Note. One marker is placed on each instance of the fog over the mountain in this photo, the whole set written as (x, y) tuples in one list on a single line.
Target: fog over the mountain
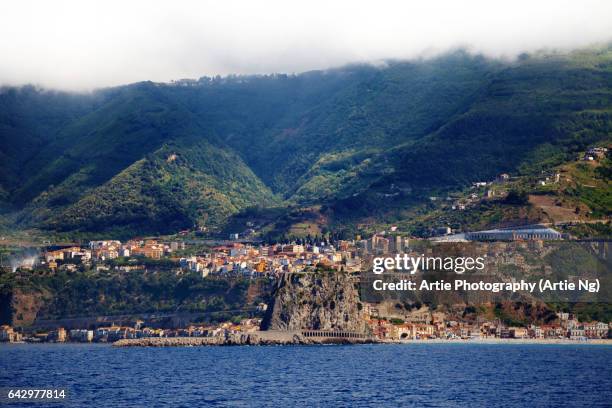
[(82, 45)]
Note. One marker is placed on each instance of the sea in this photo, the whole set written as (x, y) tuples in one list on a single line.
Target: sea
[(394, 375)]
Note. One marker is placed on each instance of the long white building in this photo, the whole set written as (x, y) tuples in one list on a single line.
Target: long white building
[(542, 233)]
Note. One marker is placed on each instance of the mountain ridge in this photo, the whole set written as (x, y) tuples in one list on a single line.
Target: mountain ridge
[(323, 137)]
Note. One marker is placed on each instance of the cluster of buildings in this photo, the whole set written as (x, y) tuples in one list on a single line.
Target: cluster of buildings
[(252, 261), (272, 260), (428, 325), (595, 153), (498, 188), (103, 250), (421, 325), (477, 194), (9, 335), (113, 333), (233, 258), (100, 251)]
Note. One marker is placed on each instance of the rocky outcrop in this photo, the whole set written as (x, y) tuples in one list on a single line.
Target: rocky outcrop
[(258, 338), (315, 301), (21, 307)]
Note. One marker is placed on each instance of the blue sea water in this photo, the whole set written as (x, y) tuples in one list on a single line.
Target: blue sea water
[(430, 375)]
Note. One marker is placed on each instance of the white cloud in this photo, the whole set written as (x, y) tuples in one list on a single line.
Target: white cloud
[(84, 44)]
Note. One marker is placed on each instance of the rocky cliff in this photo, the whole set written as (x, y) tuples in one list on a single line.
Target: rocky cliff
[(317, 301), (20, 307)]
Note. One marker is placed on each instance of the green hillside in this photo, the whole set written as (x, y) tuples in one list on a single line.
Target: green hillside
[(174, 188), (29, 120), (29, 296), (365, 143)]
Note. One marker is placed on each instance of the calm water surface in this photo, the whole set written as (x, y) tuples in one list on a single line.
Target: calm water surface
[(447, 375)]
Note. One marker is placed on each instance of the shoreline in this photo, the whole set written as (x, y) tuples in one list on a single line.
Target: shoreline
[(606, 342), (251, 341), (280, 338), (256, 338)]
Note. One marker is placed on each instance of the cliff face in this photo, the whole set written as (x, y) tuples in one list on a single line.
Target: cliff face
[(20, 308), (317, 301)]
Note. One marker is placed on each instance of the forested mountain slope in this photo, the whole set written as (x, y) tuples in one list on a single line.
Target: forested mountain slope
[(156, 157)]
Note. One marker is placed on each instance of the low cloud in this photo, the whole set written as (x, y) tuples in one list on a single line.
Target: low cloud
[(80, 45)]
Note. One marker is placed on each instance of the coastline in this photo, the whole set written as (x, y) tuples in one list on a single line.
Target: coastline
[(281, 338), (606, 342), (256, 338)]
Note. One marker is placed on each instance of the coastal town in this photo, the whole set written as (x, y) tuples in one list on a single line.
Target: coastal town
[(242, 256), (233, 259), (424, 326)]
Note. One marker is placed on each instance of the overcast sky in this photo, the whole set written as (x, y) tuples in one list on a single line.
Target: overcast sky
[(83, 44)]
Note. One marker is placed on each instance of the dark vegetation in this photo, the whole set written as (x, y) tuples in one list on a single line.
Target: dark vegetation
[(83, 294)]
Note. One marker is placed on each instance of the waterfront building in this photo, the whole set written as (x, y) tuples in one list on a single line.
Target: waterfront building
[(81, 335), (9, 335), (539, 233)]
